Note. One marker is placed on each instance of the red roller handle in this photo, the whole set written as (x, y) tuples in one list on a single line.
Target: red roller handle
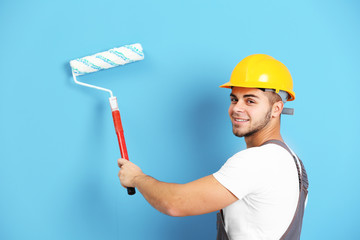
[(120, 135)]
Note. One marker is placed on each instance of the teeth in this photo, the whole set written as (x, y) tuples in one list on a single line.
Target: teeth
[(240, 120)]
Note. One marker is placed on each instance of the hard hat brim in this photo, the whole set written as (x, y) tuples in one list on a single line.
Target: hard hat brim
[(226, 85), (230, 85)]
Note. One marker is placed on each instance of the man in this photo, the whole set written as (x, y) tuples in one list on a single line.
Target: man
[(261, 190)]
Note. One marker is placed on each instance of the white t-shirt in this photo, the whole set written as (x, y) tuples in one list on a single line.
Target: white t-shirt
[(265, 180)]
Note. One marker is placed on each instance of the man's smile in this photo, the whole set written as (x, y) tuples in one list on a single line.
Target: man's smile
[(240, 120), (237, 119)]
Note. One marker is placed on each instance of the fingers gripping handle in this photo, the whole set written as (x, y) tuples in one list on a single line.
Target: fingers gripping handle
[(120, 134)]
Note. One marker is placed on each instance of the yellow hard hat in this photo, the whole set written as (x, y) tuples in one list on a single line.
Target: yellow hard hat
[(262, 71)]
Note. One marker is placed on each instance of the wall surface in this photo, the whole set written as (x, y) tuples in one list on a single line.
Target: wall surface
[(58, 149)]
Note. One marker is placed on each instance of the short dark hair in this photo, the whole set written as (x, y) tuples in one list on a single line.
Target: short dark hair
[(272, 96)]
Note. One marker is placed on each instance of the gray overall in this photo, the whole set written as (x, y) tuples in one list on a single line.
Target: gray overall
[(294, 230)]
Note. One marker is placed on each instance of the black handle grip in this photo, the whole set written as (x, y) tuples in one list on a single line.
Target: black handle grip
[(131, 190)]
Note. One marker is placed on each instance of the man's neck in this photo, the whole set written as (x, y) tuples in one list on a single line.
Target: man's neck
[(260, 137)]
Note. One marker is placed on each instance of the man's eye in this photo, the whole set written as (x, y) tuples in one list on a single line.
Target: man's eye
[(233, 100), (250, 101)]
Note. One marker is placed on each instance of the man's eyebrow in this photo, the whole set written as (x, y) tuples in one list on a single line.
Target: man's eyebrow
[(251, 95), (245, 96)]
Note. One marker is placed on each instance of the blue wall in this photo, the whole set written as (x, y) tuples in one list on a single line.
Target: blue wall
[(58, 149)]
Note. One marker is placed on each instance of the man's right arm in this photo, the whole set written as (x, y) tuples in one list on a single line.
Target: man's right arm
[(201, 196)]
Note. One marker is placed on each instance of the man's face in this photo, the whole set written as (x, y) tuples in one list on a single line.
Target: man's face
[(249, 111)]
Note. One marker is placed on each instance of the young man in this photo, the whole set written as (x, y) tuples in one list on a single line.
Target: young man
[(260, 191)]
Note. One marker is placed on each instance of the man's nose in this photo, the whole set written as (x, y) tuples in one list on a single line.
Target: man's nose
[(239, 107)]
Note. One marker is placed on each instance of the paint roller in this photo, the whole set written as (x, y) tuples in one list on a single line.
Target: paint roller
[(104, 60)]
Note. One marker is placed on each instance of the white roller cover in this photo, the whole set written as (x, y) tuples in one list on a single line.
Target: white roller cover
[(108, 59)]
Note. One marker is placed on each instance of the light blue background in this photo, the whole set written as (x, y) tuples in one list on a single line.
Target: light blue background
[(58, 148)]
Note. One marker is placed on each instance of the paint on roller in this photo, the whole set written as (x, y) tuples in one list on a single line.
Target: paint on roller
[(108, 59), (104, 60)]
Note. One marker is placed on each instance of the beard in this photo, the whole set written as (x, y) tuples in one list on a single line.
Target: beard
[(254, 129)]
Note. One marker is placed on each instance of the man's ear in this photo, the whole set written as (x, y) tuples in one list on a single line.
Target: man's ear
[(277, 109)]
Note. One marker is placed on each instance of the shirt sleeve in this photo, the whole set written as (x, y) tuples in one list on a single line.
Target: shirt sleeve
[(241, 174)]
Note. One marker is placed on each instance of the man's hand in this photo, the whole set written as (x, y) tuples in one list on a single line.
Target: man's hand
[(128, 172)]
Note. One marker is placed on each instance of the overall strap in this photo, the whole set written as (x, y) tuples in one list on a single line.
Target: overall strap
[(293, 232), (220, 225)]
